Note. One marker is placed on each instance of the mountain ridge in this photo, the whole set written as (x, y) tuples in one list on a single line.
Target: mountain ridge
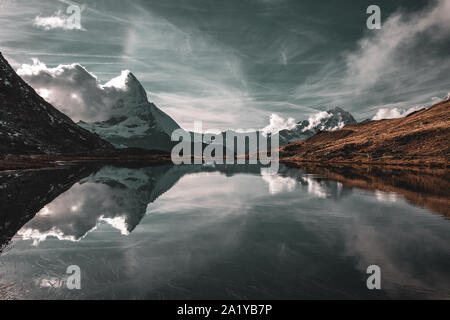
[(31, 125), (330, 120), (420, 138), (138, 122)]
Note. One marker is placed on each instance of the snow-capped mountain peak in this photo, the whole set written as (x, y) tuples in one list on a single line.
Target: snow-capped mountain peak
[(330, 120), (125, 92), (136, 121), (121, 81)]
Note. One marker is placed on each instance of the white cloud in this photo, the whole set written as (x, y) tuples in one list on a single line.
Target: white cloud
[(397, 112), (75, 91), (385, 113), (386, 196), (278, 123), (58, 21), (315, 188), (403, 63), (316, 119), (277, 183), (44, 93), (381, 54)]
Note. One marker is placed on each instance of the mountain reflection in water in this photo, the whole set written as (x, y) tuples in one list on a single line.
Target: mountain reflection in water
[(225, 231)]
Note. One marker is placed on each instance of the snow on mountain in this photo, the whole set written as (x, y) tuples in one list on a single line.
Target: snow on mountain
[(119, 111), (138, 122), (330, 120), (323, 121)]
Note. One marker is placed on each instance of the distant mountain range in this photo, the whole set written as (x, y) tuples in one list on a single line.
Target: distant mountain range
[(142, 124), (420, 138), (330, 120), (30, 125)]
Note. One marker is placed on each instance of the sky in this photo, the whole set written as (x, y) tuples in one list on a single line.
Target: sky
[(234, 64)]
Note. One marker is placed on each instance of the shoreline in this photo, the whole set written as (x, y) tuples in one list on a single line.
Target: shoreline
[(405, 164), (155, 158), (119, 156)]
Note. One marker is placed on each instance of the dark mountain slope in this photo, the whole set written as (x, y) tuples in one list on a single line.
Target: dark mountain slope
[(30, 125)]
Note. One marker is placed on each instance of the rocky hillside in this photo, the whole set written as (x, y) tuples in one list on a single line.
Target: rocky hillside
[(30, 125), (421, 138)]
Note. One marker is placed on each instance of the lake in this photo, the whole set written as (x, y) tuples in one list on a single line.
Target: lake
[(224, 232)]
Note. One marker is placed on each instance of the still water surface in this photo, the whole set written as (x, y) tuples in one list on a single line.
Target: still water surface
[(224, 232)]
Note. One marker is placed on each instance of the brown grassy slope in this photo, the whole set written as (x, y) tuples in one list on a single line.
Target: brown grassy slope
[(422, 138)]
